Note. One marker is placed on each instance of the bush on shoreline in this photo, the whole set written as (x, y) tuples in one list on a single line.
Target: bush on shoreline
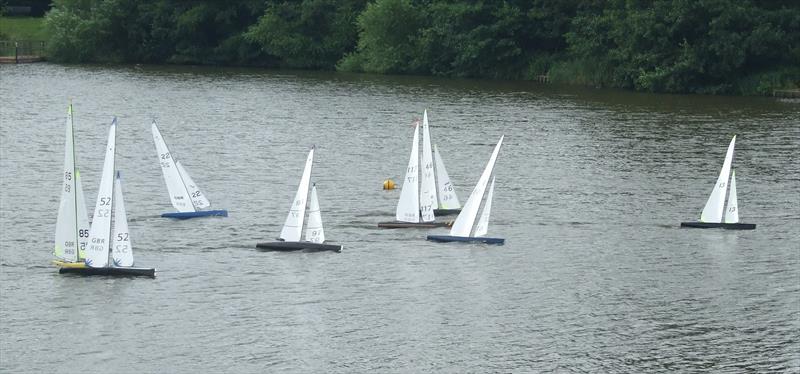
[(743, 47)]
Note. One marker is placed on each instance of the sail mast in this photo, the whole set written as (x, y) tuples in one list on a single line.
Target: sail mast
[(112, 140), (74, 184), (427, 197)]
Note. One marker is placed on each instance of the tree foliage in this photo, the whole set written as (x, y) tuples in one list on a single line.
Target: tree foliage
[(685, 45), (312, 34), (705, 46)]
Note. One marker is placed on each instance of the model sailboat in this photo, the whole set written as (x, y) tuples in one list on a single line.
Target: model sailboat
[(186, 197), (108, 251), (419, 200), (712, 215), (465, 229), (290, 237), (72, 225)]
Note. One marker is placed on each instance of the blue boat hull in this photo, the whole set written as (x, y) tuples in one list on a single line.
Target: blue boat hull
[(201, 213), (465, 239)]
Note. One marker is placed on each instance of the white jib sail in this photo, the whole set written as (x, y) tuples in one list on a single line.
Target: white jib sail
[(100, 233), (712, 212), (66, 241), (172, 177), (121, 247), (198, 198), (83, 218), (732, 211), (482, 227), (408, 205), (314, 231), (293, 227), (463, 224), (447, 193), (427, 197)]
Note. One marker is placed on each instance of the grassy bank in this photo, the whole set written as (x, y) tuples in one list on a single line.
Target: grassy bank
[(760, 83), (22, 28)]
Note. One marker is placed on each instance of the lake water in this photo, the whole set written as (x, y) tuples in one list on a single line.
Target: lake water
[(595, 275)]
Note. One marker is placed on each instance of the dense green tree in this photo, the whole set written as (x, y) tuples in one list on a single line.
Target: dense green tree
[(705, 46), (388, 38), (684, 45), (308, 34), (152, 31)]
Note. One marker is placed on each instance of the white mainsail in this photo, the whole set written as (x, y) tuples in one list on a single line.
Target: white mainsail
[(121, 247), (97, 250), (172, 177), (482, 227), (408, 205), (314, 230), (66, 241), (715, 205), (463, 224), (293, 227), (427, 197), (83, 218), (732, 211), (198, 198), (446, 192)]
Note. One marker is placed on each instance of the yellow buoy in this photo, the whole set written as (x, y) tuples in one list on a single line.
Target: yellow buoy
[(388, 184)]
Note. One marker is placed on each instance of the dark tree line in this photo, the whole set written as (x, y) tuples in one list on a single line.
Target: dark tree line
[(704, 46)]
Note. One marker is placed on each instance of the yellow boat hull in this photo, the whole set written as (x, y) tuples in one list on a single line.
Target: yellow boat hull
[(70, 265)]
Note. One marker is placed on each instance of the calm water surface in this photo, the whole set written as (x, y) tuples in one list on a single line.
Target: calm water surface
[(595, 275)]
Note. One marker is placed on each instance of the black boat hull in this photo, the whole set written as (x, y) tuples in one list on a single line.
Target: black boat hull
[(446, 212), (417, 225), (110, 271), (298, 246), (199, 213), (712, 225), (465, 239)]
